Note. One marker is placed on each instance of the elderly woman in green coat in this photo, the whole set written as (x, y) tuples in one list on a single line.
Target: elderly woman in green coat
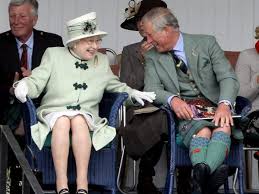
[(74, 79)]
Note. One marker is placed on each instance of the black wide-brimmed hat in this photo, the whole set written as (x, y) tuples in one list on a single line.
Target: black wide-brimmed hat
[(137, 9)]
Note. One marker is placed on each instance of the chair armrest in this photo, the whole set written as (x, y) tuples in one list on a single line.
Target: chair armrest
[(29, 118), (110, 105), (171, 125)]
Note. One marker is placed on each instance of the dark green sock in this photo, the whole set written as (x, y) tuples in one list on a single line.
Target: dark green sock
[(198, 149), (218, 149)]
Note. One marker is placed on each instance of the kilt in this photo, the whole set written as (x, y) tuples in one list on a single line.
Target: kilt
[(188, 128)]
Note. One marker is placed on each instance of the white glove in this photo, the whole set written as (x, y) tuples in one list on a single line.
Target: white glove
[(20, 90), (140, 96)]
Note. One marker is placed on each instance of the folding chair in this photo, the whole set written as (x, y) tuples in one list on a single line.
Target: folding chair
[(114, 59), (102, 166), (179, 156), (132, 187)]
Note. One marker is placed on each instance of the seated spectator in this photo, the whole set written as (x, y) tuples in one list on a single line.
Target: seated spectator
[(74, 79), (17, 62), (247, 70), (148, 129), (190, 73)]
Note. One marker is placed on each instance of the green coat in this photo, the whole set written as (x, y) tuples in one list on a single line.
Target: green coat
[(210, 69), (57, 75)]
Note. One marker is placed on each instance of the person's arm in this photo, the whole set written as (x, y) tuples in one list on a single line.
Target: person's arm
[(224, 73), (152, 81), (228, 85), (249, 84), (38, 79)]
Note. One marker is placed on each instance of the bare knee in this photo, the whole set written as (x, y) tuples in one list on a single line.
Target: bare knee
[(62, 124), (224, 129), (79, 124), (204, 132)]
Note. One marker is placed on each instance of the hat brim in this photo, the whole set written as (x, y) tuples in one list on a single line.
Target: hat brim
[(98, 33), (130, 24)]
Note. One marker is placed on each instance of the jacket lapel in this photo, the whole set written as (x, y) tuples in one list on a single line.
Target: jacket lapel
[(12, 48), (167, 62), (38, 47), (192, 54)]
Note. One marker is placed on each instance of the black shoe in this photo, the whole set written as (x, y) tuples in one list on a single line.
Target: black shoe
[(184, 181), (64, 191), (201, 173), (217, 178), (16, 179), (81, 191), (146, 186)]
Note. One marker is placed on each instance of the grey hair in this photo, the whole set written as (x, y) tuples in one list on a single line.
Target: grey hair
[(33, 3), (161, 17), (72, 44)]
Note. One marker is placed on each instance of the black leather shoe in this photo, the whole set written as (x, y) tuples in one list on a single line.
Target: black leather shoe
[(64, 191), (184, 180), (201, 173), (81, 191), (16, 179), (146, 186), (217, 178)]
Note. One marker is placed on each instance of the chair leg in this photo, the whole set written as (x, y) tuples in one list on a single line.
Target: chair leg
[(169, 186), (241, 181), (226, 187), (25, 185), (235, 181), (120, 170), (123, 159)]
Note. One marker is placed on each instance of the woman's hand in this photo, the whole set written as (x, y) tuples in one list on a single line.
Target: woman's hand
[(20, 90), (140, 96)]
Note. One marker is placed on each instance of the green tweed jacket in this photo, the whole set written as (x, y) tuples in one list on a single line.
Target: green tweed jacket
[(68, 82), (210, 69)]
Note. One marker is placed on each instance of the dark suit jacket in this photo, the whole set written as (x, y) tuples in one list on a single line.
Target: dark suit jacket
[(9, 59), (132, 67)]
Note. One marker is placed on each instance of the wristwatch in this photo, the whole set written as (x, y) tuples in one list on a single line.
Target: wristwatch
[(226, 103)]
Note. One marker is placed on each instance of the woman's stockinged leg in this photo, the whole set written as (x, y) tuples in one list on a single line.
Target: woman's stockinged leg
[(81, 145), (60, 150)]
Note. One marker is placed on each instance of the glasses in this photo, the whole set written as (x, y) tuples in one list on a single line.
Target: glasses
[(91, 41)]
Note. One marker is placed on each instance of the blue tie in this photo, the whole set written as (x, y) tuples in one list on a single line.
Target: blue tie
[(179, 63)]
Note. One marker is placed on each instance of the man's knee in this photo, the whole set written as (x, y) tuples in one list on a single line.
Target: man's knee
[(204, 132), (224, 129)]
